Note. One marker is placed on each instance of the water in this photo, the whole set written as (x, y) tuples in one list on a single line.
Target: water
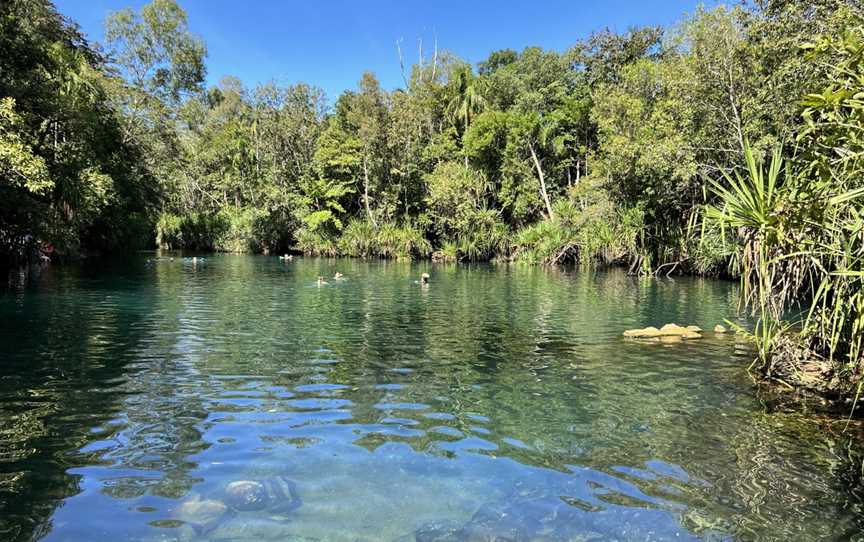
[(499, 403)]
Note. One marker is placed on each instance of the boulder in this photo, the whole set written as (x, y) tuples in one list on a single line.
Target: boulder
[(719, 329), (276, 495), (202, 514), (673, 329), (669, 330), (643, 333), (246, 495)]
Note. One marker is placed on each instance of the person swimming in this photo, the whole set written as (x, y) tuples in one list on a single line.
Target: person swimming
[(321, 281), (286, 257), (424, 279), (338, 276)]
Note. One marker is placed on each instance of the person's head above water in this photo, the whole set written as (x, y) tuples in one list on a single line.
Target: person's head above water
[(424, 278)]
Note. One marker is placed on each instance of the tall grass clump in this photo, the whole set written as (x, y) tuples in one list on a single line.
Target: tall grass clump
[(358, 239), (401, 242), (362, 239)]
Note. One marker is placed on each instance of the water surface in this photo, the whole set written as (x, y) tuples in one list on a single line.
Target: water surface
[(499, 403)]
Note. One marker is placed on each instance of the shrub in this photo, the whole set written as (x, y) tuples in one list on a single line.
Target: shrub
[(315, 243), (358, 239)]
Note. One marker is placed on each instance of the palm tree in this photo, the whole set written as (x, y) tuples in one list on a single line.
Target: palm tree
[(467, 101)]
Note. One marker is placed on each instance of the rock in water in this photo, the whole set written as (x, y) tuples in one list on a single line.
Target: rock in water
[(203, 515), (719, 329), (246, 495), (284, 496), (277, 496), (673, 329), (669, 330), (642, 333)]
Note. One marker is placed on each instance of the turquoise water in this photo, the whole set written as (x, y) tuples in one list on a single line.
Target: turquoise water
[(499, 403)]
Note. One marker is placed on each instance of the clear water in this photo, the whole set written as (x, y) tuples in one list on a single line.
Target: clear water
[(499, 403)]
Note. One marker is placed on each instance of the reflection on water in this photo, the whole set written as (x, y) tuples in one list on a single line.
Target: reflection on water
[(498, 404)]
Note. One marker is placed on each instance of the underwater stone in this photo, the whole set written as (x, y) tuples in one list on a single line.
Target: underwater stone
[(246, 495), (203, 515), (276, 495), (437, 531)]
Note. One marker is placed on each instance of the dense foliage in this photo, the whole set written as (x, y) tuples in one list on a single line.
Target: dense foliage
[(643, 149), (66, 174)]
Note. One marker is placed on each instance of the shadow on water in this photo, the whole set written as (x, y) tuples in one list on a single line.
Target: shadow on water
[(500, 403)]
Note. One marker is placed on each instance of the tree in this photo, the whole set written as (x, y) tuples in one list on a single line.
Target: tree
[(160, 63), (65, 172), (365, 117), (155, 52), (467, 101)]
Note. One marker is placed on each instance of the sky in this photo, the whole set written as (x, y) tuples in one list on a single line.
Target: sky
[(330, 43)]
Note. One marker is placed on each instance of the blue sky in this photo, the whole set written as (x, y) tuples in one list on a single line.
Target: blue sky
[(331, 43)]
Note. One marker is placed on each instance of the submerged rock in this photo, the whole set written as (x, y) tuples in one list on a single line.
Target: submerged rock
[(202, 514), (275, 495), (435, 531), (246, 495), (499, 522), (260, 529)]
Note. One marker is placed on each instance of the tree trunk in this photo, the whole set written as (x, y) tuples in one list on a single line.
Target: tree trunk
[(366, 192), (542, 178), (463, 141)]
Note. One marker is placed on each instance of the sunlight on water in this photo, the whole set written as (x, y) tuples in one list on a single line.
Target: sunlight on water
[(499, 403)]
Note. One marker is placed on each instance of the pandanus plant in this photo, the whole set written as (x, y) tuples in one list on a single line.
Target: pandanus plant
[(753, 205), (797, 243)]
